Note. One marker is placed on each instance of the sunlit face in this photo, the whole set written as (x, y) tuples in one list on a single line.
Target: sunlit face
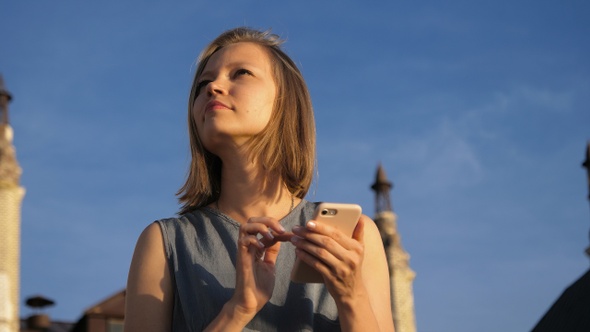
[(235, 96)]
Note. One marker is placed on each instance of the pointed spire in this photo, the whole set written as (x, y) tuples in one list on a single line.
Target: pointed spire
[(3, 91), (381, 187), (5, 98), (10, 171)]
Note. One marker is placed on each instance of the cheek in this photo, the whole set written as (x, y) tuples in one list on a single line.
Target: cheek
[(194, 114), (197, 116), (197, 132), (196, 121), (197, 105), (268, 104)]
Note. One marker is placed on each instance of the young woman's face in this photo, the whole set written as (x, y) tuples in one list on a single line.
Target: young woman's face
[(235, 96)]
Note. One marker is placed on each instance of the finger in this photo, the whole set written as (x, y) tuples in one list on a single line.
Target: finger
[(332, 232), (285, 237), (269, 222), (332, 266), (254, 253), (255, 228), (266, 227), (314, 262), (247, 241), (334, 248), (260, 231), (271, 253), (331, 256), (316, 244), (326, 236), (258, 254), (248, 246)]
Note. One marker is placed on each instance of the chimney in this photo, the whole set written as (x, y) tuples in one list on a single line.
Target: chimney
[(38, 321)]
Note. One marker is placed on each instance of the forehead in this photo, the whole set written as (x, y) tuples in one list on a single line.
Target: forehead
[(242, 53)]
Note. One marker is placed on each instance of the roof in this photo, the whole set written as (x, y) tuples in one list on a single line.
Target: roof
[(571, 311), (112, 306), (54, 327)]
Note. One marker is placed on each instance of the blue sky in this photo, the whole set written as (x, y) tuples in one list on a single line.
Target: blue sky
[(478, 112)]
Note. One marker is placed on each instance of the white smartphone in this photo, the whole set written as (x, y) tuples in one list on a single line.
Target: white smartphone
[(344, 217)]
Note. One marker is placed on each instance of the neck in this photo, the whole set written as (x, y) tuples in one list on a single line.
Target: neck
[(249, 191)]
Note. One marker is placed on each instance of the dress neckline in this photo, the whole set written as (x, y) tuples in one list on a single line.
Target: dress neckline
[(232, 221)]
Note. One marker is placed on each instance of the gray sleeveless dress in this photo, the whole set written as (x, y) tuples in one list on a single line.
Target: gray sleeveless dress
[(201, 251)]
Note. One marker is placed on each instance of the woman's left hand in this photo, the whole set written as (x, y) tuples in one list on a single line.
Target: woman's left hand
[(338, 257)]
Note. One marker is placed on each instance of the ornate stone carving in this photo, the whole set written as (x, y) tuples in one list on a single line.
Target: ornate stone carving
[(10, 171)]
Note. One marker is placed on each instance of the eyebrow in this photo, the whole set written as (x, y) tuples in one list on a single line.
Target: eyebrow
[(234, 64)]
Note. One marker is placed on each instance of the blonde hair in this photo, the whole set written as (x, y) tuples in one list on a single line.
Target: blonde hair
[(285, 147)]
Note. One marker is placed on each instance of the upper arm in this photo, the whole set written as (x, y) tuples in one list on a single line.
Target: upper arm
[(149, 295), (376, 275)]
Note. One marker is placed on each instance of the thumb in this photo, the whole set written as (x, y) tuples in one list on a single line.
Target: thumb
[(359, 230)]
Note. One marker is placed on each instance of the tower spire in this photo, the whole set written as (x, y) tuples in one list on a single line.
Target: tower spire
[(401, 275), (382, 187), (5, 98), (11, 194)]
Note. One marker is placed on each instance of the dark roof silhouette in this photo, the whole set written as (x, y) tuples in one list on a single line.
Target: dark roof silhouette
[(56, 326), (571, 311)]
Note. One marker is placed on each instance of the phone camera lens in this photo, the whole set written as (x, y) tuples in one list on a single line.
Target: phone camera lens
[(324, 212)]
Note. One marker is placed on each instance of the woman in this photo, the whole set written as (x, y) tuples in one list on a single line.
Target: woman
[(223, 265)]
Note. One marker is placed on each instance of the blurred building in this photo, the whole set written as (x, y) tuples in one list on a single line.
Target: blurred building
[(401, 275), (104, 316), (571, 311), (39, 321), (11, 195)]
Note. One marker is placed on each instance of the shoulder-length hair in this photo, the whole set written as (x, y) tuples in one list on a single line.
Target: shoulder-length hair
[(285, 147)]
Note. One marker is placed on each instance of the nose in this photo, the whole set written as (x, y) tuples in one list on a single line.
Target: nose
[(216, 87)]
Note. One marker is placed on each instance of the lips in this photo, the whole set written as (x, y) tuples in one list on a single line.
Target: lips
[(215, 105)]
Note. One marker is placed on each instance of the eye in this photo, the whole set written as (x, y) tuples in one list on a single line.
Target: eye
[(242, 71)]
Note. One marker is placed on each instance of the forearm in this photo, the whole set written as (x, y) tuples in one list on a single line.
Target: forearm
[(229, 319), (357, 314)]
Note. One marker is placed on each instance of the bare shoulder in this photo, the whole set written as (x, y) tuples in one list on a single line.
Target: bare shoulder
[(150, 238), (149, 288), (376, 274), (371, 230), (374, 251), (149, 259)]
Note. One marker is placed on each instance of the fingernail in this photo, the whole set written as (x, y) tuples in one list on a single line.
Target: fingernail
[(261, 245), (310, 224), (282, 229), (295, 239), (270, 236)]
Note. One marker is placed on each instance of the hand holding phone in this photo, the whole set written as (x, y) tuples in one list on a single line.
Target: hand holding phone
[(343, 217)]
